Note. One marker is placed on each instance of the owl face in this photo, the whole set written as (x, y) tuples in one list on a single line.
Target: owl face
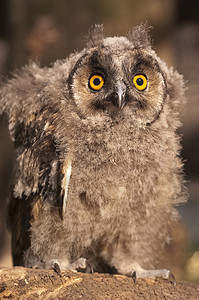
[(118, 80)]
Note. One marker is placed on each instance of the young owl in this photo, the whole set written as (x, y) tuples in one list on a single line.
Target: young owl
[(98, 173)]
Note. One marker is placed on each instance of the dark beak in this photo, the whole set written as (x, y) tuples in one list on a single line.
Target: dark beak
[(120, 94)]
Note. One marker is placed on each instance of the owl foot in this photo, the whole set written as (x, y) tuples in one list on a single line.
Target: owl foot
[(80, 265), (161, 273)]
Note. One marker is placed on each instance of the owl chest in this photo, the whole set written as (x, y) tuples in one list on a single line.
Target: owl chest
[(102, 172), (110, 185)]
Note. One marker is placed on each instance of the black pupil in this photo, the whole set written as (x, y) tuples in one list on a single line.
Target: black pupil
[(140, 81), (96, 81)]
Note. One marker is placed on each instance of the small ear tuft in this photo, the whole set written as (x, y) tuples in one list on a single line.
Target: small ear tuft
[(139, 35), (95, 35)]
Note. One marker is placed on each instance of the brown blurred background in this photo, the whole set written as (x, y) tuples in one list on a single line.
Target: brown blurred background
[(51, 29)]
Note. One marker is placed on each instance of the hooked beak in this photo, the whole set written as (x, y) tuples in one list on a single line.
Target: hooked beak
[(120, 95)]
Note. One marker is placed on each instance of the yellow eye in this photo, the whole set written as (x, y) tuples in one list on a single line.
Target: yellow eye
[(140, 82), (96, 82)]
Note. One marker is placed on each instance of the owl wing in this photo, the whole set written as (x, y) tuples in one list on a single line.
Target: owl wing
[(37, 180), (32, 123)]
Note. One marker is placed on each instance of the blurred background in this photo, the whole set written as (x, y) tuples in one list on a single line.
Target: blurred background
[(51, 29)]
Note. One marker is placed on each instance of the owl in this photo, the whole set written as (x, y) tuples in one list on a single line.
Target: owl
[(98, 172)]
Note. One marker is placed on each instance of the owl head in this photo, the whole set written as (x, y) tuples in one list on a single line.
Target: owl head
[(121, 77)]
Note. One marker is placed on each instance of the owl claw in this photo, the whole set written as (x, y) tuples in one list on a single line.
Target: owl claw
[(173, 280), (56, 268), (134, 276), (90, 267)]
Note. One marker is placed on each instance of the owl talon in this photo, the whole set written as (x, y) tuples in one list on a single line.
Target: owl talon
[(90, 267), (134, 276), (56, 268), (172, 277)]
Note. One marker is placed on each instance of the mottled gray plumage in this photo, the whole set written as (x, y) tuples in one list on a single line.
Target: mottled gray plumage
[(98, 172)]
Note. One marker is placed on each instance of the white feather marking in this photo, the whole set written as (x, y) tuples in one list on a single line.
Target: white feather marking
[(46, 126), (66, 184)]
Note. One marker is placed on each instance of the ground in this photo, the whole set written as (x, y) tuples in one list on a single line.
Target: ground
[(22, 283)]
